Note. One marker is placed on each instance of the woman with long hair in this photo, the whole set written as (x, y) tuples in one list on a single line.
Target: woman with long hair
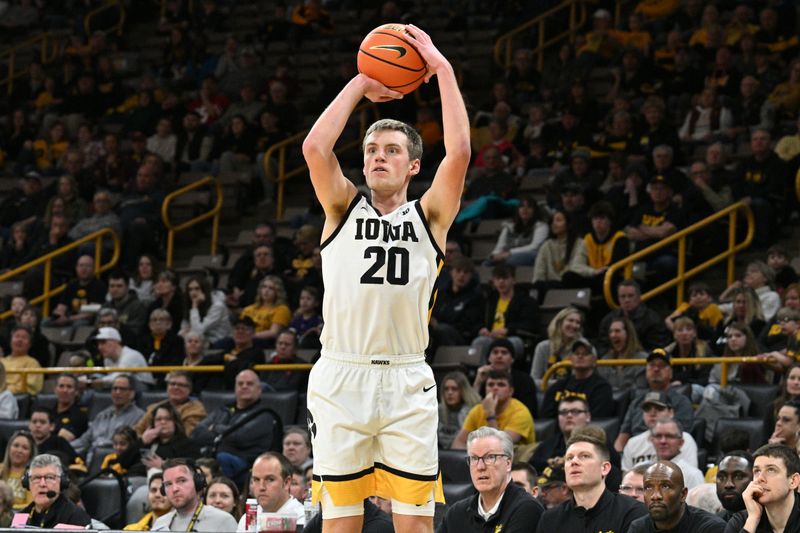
[(165, 438), (745, 308), (20, 450), (520, 239), (168, 297), (74, 207), (740, 342), (206, 311), (624, 344), (563, 329), (143, 279), (560, 253), (760, 278), (270, 312), (458, 397), (223, 494), (789, 391)]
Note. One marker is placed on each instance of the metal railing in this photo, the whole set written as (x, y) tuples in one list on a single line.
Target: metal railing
[(277, 172), (504, 46), (46, 45), (680, 237), (213, 213), (722, 361), (47, 261), (206, 369), (110, 4), (797, 184)]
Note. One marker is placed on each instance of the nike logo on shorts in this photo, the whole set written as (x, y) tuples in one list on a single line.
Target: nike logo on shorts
[(426, 389)]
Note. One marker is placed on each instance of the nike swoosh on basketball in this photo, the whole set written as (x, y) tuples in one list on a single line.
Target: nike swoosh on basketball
[(426, 389), (399, 49)]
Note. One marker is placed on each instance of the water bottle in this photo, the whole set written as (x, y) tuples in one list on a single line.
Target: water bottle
[(308, 506), (251, 515)]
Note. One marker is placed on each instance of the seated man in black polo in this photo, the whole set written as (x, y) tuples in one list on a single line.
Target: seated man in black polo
[(583, 382)]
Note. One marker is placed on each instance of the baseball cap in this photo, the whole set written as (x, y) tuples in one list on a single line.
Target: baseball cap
[(583, 341), (660, 399), (550, 475), (108, 334), (659, 353), (662, 178), (245, 321)]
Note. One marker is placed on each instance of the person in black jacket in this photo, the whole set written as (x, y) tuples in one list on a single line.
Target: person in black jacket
[(583, 382), (734, 474), (165, 439), (771, 500), (592, 507), (42, 426), (499, 504), (242, 430), (665, 498), (49, 506), (458, 310), (501, 357)]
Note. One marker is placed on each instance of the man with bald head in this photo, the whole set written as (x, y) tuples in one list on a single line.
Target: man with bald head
[(734, 474), (665, 499)]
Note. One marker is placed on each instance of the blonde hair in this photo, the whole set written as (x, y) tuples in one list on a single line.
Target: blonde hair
[(557, 339), (469, 396), (280, 289)]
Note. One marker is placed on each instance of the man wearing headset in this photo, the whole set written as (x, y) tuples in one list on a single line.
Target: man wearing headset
[(47, 481), (183, 486)]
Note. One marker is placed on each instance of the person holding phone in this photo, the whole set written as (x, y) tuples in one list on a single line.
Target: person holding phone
[(771, 500)]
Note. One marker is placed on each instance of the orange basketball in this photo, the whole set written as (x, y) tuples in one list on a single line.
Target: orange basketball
[(386, 56)]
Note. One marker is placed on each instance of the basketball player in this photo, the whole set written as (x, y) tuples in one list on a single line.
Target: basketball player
[(371, 396)]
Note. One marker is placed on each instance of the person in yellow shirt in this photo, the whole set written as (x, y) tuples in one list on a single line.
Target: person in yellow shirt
[(270, 313), (701, 309), (500, 411), (19, 359), (48, 152), (20, 450)]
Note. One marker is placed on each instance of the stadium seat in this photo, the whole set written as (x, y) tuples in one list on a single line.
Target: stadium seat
[(99, 401), (59, 336), (82, 334), (136, 507), (48, 401), (753, 426), (98, 454), (455, 357), (558, 299), (213, 399), (454, 467), (698, 431), (24, 406), (457, 491), (488, 229), (761, 398), (622, 399), (545, 428), (7, 428), (284, 403), (609, 425), (301, 419), (150, 397), (105, 499)]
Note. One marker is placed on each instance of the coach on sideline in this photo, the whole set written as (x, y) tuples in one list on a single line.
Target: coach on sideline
[(499, 504)]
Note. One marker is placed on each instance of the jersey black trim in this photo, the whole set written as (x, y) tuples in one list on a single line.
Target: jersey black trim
[(333, 235), (407, 475), (345, 477), (439, 254), (369, 201)]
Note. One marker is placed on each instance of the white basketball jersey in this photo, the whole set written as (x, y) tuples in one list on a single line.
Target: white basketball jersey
[(379, 272)]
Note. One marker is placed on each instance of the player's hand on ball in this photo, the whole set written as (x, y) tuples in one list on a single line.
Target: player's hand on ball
[(424, 45), (376, 92)]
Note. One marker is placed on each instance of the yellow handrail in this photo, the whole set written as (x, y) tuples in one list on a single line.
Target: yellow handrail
[(723, 361), (110, 4), (503, 48), (680, 278), (283, 175), (797, 184), (47, 261), (214, 213), (49, 45)]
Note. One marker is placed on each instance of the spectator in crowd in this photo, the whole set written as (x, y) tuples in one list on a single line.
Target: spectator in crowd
[(115, 354), (19, 359), (139, 212), (183, 485), (223, 494), (779, 260), (667, 438), (85, 289), (553, 487), (562, 331), (264, 234), (633, 482), (193, 146), (71, 418), (42, 427), (499, 410), (740, 342), (122, 412), (639, 449), (130, 311), (563, 252), (244, 354), (30, 317), (163, 142), (297, 447), (583, 382), (658, 373), (165, 438), (239, 432), (525, 476), (458, 309), (285, 353), (648, 324), (50, 506), (245, 287), (143, 279), (20, 449), (194, 346), (604, 246), (520, 239), (157, 502), (270, 478), (771, 500), (734, 476), (458, 397), (707, 120), (168, 296), (745, 309), (586, 465), (205, 311), (665, 498), (179, 391), (624, 344), (501, 357), (307, 319), (688, 345), (9, 410), (573, 413), (499, 503), (759, 277), (787, 424), (270, 311), (700, 309), (161, 345)]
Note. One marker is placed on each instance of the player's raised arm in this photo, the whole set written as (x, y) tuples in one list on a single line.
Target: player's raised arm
[(334, 190), (441, 202)]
